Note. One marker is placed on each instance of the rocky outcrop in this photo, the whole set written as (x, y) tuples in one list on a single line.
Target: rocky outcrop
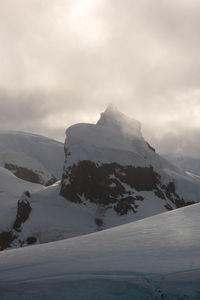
[(112, 183), (6, 238), (105, 183), (31, 240), (23, 212), (34, 176)]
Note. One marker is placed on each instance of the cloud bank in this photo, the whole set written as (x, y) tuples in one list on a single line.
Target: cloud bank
[(63, 61)]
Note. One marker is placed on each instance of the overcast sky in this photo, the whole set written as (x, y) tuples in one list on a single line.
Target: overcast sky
[(63, 61)]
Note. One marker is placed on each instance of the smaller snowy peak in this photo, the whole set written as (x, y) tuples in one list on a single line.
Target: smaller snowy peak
[(31, 157), (116, 120), (26, 168)]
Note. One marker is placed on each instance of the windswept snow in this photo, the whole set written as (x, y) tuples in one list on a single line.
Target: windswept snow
[(155, 258)]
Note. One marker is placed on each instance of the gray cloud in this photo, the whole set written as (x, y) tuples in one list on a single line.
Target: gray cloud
[(182, 143), (62, 62)]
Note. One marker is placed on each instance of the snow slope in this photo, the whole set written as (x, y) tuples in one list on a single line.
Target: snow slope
[(154, 258), (54, 218), (40, 154), (51, 217), (11, 189)]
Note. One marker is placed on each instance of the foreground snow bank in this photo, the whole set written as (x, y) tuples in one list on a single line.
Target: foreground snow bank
[(155, 258)]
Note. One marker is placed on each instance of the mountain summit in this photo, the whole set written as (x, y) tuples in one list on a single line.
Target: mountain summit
[(115, 138), (111, 165), (113, 118)]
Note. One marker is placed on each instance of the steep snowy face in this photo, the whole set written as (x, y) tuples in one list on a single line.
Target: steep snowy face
[(110, 164)]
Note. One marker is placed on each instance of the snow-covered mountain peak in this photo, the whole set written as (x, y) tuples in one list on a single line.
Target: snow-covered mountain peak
[(112, 166), (114, 138), (116, 120)]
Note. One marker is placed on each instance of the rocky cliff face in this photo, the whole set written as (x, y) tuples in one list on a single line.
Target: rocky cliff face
[(110, 164)]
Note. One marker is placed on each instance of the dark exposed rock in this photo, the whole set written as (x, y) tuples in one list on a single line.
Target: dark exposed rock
[(139, 178), (50, 181), (99, 222), (6, 238), (23, 211), (170, 191), (28, 174), (159, 194), (31, 240), (168, 207), (150, 147), (67, 152), (104, 184), (93, 182), (124, 205), (138, 197), (27, 193)]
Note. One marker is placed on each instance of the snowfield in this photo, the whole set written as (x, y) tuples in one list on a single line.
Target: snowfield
[(154, 258)]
